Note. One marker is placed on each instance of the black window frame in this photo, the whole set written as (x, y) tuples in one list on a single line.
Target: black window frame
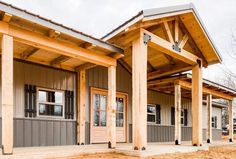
[(157, 114)]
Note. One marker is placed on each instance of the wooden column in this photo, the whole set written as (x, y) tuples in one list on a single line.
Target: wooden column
[(139, 93), (111, 107), (197, 104), (231, 122), (209, 116), (177, 114), (7, 94), (81, 107)]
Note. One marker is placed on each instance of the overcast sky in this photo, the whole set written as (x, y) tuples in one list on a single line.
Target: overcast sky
[(98, 17)]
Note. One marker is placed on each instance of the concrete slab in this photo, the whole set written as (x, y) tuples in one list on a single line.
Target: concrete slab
[(153, 149)]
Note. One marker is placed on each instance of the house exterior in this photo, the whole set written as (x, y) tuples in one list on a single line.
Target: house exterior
[(63, 87)]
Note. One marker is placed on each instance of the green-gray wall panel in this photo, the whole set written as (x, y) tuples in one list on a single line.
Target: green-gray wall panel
[(161, 133), (41, 132)]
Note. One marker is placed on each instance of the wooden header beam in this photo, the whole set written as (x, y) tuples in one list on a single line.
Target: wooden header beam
[(54, 45), (167, 47), (188, 85)]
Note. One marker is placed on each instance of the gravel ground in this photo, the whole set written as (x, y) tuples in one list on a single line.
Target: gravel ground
[(215, 152)]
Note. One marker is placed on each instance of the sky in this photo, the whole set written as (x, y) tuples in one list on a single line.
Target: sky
[(98, 17)]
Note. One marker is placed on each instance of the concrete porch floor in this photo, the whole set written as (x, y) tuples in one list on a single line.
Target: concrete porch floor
[(124, 148)]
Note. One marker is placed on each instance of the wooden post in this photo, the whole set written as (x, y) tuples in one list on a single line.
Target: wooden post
[(7, 94), (139, 92), (209, 116), (111, 107), (231, 122), (81, 107), (197, 104), (177, 114)]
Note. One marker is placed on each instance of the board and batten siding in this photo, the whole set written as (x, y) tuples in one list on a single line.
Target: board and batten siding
[(40, 131), (26, 73)]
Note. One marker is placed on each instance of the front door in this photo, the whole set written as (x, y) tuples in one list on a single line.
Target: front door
[(99, 131)]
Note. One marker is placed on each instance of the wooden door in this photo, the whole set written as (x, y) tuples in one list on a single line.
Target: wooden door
[(99, 131)]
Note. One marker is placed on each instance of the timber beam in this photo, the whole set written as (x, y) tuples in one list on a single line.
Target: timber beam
[(168, 48), (54, 45), (60, 60), (28, 52), (85, 66), (188, 86), (6, 17)]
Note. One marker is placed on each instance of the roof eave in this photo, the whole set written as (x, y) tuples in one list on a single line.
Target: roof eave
[(55, 26)]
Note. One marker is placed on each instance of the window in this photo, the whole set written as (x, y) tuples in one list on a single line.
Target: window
[(50, 103), (119, 112), (99, 108), (153, 114), (183, 117), (214, 122)]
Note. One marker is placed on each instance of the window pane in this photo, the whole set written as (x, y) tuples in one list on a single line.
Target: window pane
[(58, 97), (151, 109), (42, 96), (42, 109), (103, 118), (96, 118), (57, 110), (120, 104), (119, 119), (182, 120), (96, 102), (150, 118), (103, 102)]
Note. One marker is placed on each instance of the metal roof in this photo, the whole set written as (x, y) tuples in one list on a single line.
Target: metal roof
[(18, 12), (161, 12)]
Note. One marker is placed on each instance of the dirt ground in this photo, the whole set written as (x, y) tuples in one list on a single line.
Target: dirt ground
[(217, 152)]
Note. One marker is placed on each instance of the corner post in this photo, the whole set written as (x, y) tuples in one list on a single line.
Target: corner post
[(209, 116), (7, 94), (231, 122), (177, 114), (139, 91), (81, 76), (197, 104), (111, 107)]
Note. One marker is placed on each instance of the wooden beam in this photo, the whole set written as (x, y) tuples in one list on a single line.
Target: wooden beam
[(85, 66), (54, 34), (176, 31), (183, 41), (111, 107), (231, 121), (6, 17), (54, 45), (177, 114), (81, 107), (168, 32), (7, 94), (192, 43), (187, 85), (59, 60), (166, 47), (28, 52), (162, 73), (209, 120), (139, 89), (197, 105)]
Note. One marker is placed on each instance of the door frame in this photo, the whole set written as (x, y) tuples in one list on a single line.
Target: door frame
[(105, 92)]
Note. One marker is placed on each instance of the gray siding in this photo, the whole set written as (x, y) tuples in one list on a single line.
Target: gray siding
[(160, 133), (39, 132), (25, 73)]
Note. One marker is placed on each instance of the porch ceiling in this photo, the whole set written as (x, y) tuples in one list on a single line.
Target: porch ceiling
[(177, 24), (37, 39)]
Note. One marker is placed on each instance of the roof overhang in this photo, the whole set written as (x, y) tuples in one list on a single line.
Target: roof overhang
[(23, 14)]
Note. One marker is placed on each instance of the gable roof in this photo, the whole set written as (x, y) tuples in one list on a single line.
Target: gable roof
[(150, 14)]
